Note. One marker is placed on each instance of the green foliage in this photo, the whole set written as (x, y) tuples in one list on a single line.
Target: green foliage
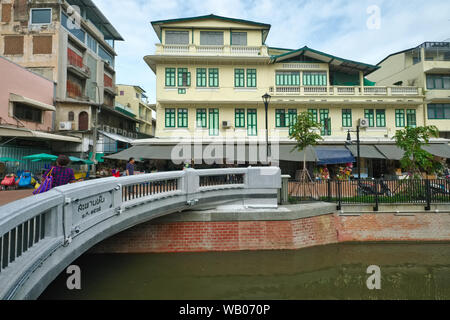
[(411, 141), (304, 131)]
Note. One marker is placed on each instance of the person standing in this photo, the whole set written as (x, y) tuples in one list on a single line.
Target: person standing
[(61, 174), (129, 170)]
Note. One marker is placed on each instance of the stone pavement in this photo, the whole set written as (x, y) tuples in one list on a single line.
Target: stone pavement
[(10, 196)]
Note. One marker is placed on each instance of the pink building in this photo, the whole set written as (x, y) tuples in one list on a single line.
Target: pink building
[(26, 99)]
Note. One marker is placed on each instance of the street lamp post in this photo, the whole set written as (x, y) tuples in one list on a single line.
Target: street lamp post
[(358, 143), (266, 99)]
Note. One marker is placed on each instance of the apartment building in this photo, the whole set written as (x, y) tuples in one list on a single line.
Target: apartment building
[(426, 66), (71, 43), (135, 98), (211, 75)]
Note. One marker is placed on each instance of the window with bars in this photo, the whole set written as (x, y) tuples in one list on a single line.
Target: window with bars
[(381, 118), (213, 122), (27, 113), (280, 118), (283, 78), (213, 77), (170, 77), (347, 118), (177, 37), (182, 118), (201, 118), (184, 77), (325, 121), (252, 122), (291, 119), (251, 78), (239, 78), (170, 117), (314, 78), (411, 118), (211, 38), (313, 114), (238, 38), (201, 77), (369, 115), (400, 118), (239, 118), (439, 111)]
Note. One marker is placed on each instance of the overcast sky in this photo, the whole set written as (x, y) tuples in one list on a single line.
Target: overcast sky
[(348, 29)]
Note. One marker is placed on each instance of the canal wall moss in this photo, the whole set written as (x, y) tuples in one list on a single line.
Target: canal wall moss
[(289, 227)]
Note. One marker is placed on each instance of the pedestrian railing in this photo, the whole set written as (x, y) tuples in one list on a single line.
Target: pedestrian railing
[(377, 191)]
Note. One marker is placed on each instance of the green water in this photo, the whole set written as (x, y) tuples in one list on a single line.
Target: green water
[(408, 271)]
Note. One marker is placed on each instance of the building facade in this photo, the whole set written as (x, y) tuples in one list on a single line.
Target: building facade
[(134, 97), (426, 66), (71, 43)]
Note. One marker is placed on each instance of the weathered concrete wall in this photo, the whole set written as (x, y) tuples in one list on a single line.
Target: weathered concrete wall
[(295, 227)]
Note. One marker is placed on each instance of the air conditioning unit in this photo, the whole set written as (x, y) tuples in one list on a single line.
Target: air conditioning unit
[(364, 123), (65, 126), (226, 124)]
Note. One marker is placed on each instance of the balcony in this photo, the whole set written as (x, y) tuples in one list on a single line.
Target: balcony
[(438, 96), (345, 91), (76, 65), (243, 51)]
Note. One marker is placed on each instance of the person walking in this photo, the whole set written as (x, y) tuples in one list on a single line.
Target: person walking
[(61, 174), (129, 170)]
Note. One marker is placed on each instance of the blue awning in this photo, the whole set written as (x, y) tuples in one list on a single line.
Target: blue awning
[(333, 155)]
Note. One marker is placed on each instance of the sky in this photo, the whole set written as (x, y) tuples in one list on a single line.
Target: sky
[(364, 30)]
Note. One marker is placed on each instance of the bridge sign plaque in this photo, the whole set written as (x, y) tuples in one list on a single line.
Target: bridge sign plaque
[(88, 208)]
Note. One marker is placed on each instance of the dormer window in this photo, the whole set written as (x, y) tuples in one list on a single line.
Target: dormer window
[(239, 38), (177, 37), (211, 38)]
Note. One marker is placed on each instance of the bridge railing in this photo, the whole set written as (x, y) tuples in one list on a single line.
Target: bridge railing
[(33, 229)]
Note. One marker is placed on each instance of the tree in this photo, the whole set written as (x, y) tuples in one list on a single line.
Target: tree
[(411, 141), (304, 132)]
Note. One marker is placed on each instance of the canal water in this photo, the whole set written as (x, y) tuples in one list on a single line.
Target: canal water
[(408, 271)]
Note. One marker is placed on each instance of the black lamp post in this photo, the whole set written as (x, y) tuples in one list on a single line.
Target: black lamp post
[(266, 99), (358, 142)]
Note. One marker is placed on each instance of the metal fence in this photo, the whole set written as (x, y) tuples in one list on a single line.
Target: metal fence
[(408, 191)]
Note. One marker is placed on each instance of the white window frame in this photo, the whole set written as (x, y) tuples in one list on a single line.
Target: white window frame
[(40, 24)]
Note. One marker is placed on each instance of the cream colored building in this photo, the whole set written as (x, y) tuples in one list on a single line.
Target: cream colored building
[(426, 66), (135, 98), (212, 72)]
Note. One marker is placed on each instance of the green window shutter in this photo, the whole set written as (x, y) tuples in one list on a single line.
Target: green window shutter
[(400, 118), (325, 121), (184, 77), (201, 118), (347, 118), (381, 118), (239, 78), (213, 77), (252, 122), (251, 78), (170, 118), (314, 78), (170, 77), (368, 114), (201, 77), (313, 114), (182, 118), (239, 118), (280, 118), (213, 122), (411, 118), (292, 119)]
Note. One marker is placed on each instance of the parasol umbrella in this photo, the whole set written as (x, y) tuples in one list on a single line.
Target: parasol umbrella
[(6, 159), (41, 157)]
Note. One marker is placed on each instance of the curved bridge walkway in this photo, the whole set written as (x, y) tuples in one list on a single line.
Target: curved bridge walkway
[(41, 235)]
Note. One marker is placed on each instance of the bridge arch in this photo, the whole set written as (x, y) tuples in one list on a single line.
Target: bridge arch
[(41, 235)]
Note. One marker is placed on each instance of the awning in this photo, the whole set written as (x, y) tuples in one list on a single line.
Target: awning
[(288, 154), (366, 151), (440, 150), (31, 102), (391, 152), (7, 131), (333, 155), (116, 137)]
